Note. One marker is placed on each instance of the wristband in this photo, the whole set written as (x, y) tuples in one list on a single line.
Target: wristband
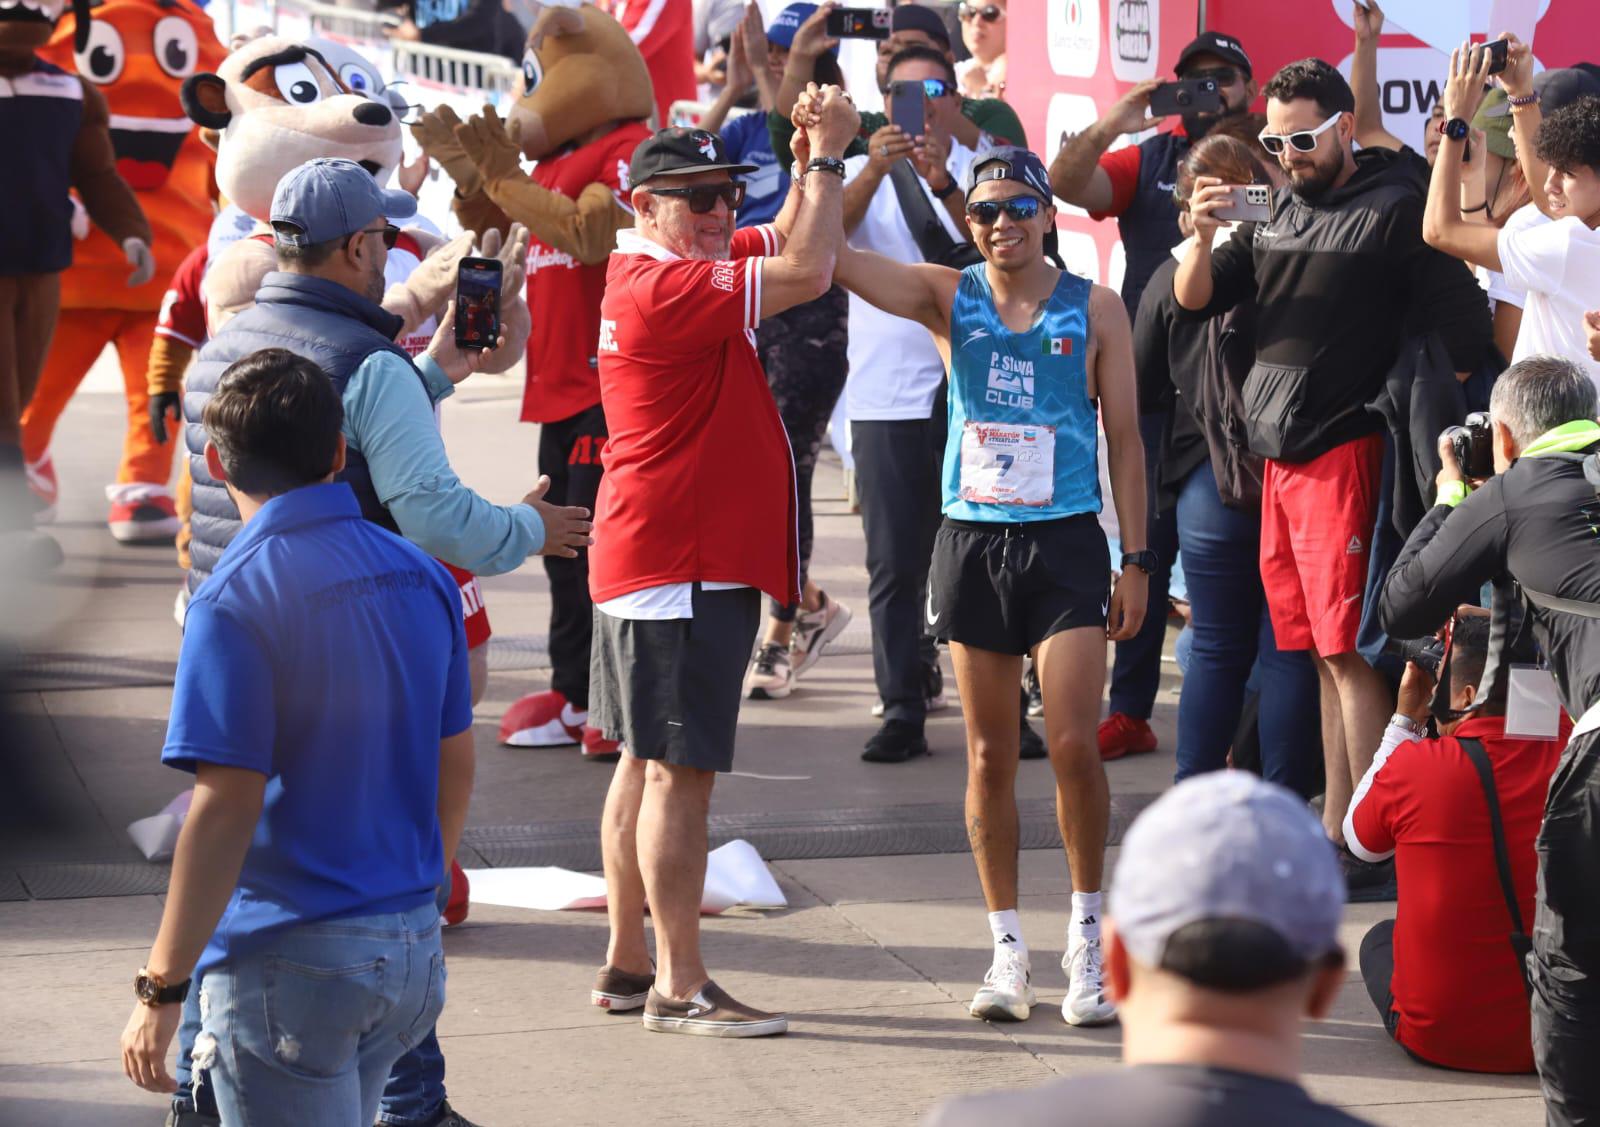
[(1451, 493), (1524, 100), (826, 164), (947, 191)]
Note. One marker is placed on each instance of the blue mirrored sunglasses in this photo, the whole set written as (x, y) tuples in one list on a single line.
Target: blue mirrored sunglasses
[(1019, 208)]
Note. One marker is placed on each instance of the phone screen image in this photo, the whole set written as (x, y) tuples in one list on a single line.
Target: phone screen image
[(908, 107), (858, 23), (478, 303)]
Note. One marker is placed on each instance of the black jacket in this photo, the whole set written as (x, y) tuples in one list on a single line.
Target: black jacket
[(1338, 284), (1532, 522)]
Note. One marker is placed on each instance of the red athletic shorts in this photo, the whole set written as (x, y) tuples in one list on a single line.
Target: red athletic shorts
[(473, 611), (1316, 536)]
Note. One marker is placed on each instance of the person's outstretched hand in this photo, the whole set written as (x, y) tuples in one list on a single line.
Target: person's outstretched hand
[(566, 527), (1464, 88), (1368, 20)]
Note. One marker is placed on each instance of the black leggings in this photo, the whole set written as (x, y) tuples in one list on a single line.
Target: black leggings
[(804, 353)]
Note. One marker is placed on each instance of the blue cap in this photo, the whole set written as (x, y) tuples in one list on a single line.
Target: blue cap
[(1008, 162), (787, 22), (331, 198)]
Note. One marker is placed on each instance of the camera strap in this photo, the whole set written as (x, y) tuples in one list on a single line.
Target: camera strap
[(1521, 944)]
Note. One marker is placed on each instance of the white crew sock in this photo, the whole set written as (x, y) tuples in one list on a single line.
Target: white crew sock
[(573, 717), (1006, 927), (1086, 909)]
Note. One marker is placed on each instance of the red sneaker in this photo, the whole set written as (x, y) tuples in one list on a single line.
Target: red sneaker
[(544, 719), (1121, 734), (460, 896), (141, 513), (44, 487), (596, 746)]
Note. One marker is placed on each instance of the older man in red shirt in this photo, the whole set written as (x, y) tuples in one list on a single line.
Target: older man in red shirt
[(696, 516)]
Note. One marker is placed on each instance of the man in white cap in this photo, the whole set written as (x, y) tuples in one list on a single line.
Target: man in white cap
[(1222, 939)]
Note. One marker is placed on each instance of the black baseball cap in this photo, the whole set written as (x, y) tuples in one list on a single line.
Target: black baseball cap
[(916, 17), (1008, 162), (679, 152), (1223, 46)]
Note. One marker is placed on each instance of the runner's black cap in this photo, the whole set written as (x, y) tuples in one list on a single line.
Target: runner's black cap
[(1008, 162), (678, 152)]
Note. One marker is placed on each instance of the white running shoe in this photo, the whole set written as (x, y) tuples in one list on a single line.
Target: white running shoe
[(814, 630), (770, 677), (1086, 1002), (1005, 994)]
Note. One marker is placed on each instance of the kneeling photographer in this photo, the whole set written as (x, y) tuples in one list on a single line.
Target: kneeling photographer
[(1446, 973), (1535, 521)]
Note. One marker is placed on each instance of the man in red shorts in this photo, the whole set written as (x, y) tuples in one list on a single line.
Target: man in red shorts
[(1339, 274), (696, 516)]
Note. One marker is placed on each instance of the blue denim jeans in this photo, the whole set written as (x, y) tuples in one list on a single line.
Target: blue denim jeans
[(1232, 636), (311, 1025)]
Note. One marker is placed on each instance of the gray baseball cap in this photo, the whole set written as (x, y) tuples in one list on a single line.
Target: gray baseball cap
[(330, 198), (1227, 846)]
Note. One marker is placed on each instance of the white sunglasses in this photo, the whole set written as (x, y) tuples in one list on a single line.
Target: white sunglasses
[(1304, 140)]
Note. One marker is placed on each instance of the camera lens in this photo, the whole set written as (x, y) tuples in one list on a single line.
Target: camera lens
[(1184, 98)]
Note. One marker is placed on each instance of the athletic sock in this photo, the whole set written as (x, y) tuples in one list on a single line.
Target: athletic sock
[(1086, 909), (1006, 927), (574, 717)]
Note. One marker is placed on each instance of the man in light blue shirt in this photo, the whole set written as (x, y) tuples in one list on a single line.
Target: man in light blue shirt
[(332, 239)]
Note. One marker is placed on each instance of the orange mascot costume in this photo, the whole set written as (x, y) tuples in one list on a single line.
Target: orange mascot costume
[(581, 112), (138, 54)]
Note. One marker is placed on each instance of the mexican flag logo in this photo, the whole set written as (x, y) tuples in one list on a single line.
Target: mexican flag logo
[(1058, 346)]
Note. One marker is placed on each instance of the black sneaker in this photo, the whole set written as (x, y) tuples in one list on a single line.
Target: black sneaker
[(1032, 743), (450, 1117), (1367, 882), (895, 742)]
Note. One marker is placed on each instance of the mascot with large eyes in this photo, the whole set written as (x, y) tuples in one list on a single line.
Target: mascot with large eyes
[(585, 100), (137, 54), (58, 127)]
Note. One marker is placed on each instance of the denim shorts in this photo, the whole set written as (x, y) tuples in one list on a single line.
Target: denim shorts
[(305, 1029)]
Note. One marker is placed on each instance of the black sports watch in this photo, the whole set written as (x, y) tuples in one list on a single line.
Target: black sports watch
[(1146, 561), (947, 191), (1456, 129)]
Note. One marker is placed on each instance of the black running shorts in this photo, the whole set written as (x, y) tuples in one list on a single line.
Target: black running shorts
[(670, 689), (1007, 587)]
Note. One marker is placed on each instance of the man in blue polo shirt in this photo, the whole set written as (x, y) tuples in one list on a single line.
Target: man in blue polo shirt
[(324, 659)]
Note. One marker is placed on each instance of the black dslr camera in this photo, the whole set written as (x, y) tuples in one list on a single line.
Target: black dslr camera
[(1473, 446), (1428, 653)]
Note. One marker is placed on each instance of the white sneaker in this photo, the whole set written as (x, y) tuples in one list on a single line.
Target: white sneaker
[(814, 630), (770, 677), (1005, 994), (1086, 1002)]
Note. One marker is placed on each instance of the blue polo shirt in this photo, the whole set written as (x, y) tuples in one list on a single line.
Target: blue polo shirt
[(328, 654), (749, 142)]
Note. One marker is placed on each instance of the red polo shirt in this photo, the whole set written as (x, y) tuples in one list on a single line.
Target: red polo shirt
[(1456, 987), (563, 293), (699, 478)]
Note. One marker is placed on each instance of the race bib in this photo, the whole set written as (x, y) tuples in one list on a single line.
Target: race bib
[(1008, 464)]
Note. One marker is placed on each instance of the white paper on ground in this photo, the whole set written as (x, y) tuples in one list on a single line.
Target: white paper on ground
[(736, 876), (157, 836)]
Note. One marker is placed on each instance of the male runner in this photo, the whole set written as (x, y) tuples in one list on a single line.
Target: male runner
[(1021, 566)]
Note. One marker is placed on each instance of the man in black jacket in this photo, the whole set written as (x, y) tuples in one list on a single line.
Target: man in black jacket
[(1535, 520), (1337, 273)]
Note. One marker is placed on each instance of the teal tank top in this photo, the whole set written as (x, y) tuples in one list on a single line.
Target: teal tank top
[(1023, 441)]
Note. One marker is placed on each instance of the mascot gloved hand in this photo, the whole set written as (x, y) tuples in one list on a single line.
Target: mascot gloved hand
[(436, 133)]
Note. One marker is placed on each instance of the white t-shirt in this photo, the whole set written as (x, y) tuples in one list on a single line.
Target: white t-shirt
[(895, 369), (1495, 282), (1558, 263)]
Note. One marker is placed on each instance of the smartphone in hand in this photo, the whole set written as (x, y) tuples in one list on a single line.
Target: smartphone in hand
[(478, 303), (908, 106), (1190, 95), (858, 23), (1249, 203), (1499, 52)]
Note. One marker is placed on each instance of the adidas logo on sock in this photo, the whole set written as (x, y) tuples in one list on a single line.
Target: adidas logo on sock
[(1007, 938), (1087, 921)]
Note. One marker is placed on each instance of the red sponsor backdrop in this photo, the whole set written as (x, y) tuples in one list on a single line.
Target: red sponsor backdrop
[(1069, 59)]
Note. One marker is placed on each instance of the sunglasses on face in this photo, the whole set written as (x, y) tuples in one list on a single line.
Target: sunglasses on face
[(390, 233), (1304, 140), (1224, 76), (988, 13), (703, 197), (937, 88), (1018, 208)]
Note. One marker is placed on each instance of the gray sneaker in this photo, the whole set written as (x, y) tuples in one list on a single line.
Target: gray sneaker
[(619, 991), (710, 1013)]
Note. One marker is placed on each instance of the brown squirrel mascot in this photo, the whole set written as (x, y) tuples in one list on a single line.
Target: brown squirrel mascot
[(582, 110), (58, 127)]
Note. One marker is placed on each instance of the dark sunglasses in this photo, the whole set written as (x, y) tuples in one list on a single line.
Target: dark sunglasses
[(390, 233), (988, 13), (937, 88), (703, 198), (1224, 76), (1019, 208)]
